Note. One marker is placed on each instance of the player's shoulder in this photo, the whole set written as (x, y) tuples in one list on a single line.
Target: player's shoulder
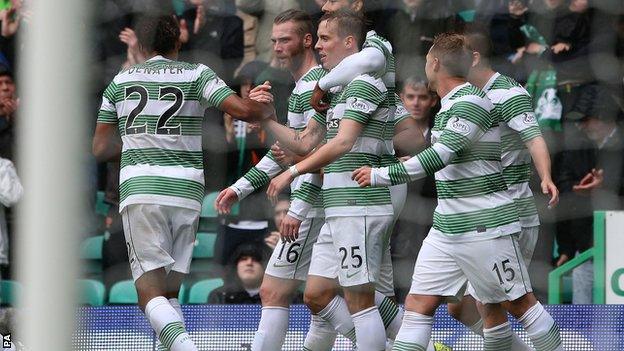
[(470, 94), (366, 81), (373, 39), (314, 74)]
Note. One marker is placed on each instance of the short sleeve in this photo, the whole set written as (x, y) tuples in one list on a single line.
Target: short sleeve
[(211, 89)]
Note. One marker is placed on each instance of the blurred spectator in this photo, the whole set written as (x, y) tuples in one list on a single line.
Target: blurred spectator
[(215, 36), (504, 20), (417, 216), (9, 104), (10, 193), (247, 143), (411, 31), (279, 212), (265, 11), (243, 276), (592, 178), (11, 19)]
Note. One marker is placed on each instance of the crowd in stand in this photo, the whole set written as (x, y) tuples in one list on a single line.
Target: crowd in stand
[(568, 53)]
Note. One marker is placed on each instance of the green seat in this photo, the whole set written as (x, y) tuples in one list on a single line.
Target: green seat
[(91, 248), (101, 207), (10, 290), (182, 293), (467, 15), (208, 210), (208, 218), (204, 245), (123, 292), (91, 253), (201, 290), (92, 292)]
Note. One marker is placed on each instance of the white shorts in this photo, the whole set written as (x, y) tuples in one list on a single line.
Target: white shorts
[(325, 262), (359, 243), (159, 236), (494, 267), (292, 260), (528, 241), (385, 285)]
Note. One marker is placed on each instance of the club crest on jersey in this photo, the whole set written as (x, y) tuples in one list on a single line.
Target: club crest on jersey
[(359, 105), (457, 125), (528, 118)]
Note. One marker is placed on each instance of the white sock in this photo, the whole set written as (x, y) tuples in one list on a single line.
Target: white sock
[(477, 328), (321, 336), (415, 332), (542, 330), (430, 346), (168, 325), (271, 329), (518, 344), (175, 303), (497, 338), (391, 314), (337, 313), (369, 330)]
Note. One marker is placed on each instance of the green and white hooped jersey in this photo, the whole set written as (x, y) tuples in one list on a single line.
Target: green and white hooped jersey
[(465, 156), (159, 107), (388, 76), (519, 125), (363, 100), (306, 201)]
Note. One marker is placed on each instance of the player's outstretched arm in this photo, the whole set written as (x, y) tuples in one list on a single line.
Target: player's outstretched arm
[(106, 143), (369, 60), (299, 142), (462, 130), (246, 109), (541, 159), (348, 133)]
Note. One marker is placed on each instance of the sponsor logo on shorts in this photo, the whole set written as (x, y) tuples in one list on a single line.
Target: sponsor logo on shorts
[(277, 265), (349, 275), (508, 290)]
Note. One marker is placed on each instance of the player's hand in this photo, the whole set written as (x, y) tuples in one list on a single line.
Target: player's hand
[(317, 99), (591, 181), (548, 187), (290, 229), (261, 95), (277, 185), (284, 157), (362, 176), (224, 201)]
